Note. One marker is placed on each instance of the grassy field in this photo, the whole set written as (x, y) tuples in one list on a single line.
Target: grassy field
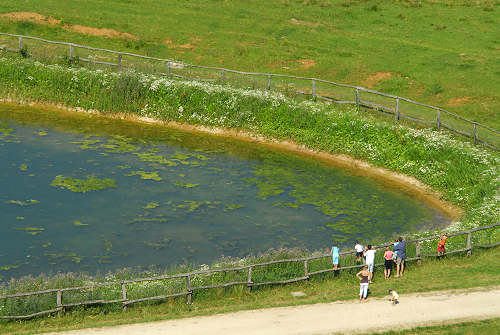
[(465, 328), (460, 272), (439, 52)]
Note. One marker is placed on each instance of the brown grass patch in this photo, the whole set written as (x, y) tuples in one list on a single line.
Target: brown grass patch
[(374, 79), (105, 32), (187, 46), (47, 20), (303, 23), (306, 63), (459, 101), (190, 46), (32, 17)]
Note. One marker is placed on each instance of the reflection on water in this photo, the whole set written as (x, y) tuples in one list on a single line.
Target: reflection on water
[(95, 195)]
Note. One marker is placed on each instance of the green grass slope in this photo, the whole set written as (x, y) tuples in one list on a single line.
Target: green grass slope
[(480, 270), (439, 52), (465, 328)]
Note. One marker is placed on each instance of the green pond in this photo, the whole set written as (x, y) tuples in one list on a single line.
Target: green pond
[(85, 193)]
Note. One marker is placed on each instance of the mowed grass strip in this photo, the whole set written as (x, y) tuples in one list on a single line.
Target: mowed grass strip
[(439, 52), (460, 272), (463, 328)]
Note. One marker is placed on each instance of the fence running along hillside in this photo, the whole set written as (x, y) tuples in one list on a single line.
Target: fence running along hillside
[(253, 275), (401, 108)]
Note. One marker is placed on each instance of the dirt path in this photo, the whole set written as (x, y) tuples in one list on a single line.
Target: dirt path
[(337, 317)]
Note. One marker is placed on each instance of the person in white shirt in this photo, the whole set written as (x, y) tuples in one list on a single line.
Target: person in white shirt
[(394, 297), (359, 251), (370, 260)]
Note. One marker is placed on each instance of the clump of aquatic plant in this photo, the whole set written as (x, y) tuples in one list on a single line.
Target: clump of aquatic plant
[(146, 175), (186, 185), (83, 185), (24, 203), (30, 230)]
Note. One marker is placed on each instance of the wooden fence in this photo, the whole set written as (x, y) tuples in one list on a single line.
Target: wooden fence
[(399, 107), (188, 288)]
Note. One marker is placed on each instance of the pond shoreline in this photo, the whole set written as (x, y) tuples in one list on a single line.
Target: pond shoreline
[(395, 180)]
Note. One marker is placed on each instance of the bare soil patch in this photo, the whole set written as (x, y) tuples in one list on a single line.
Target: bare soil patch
[(306, 63), (31, 17), (459, 101), (48, 20), (374, 79), (187, 46), (100, 32)]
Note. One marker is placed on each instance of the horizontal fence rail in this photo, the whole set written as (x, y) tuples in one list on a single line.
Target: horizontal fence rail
[(248, 272), (400, 107)]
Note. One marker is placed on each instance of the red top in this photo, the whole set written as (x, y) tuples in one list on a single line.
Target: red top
[(388, 255), (443, 241)]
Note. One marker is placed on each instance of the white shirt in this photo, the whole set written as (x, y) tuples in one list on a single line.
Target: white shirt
[(395, 295), (370, 256), (358, 247)]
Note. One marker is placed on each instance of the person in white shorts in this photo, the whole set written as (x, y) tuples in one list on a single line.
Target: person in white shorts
[(370, 260)]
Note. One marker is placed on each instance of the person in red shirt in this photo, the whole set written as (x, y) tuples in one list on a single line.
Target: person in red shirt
[(387, 262), (440, 248)]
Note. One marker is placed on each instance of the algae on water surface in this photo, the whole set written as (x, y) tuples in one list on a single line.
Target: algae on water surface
[(181, 198)]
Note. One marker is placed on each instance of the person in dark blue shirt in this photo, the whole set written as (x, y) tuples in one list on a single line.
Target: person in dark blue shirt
[(400, 250)]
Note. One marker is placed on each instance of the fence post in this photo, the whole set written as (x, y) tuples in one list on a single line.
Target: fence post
[(417, 247), (119, 62), (20, 43), (314, 88), (469, 246), (438, 120), (223, 76), (268, 83), (70, 52), (397, 110), (188, 289), (59, 302), (474, 133), (306, 271), (168, 69), (249, 279), (124, 296), (357, 96)]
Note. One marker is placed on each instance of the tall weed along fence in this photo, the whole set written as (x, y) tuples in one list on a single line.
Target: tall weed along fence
[(400, 108), (144, 290)]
